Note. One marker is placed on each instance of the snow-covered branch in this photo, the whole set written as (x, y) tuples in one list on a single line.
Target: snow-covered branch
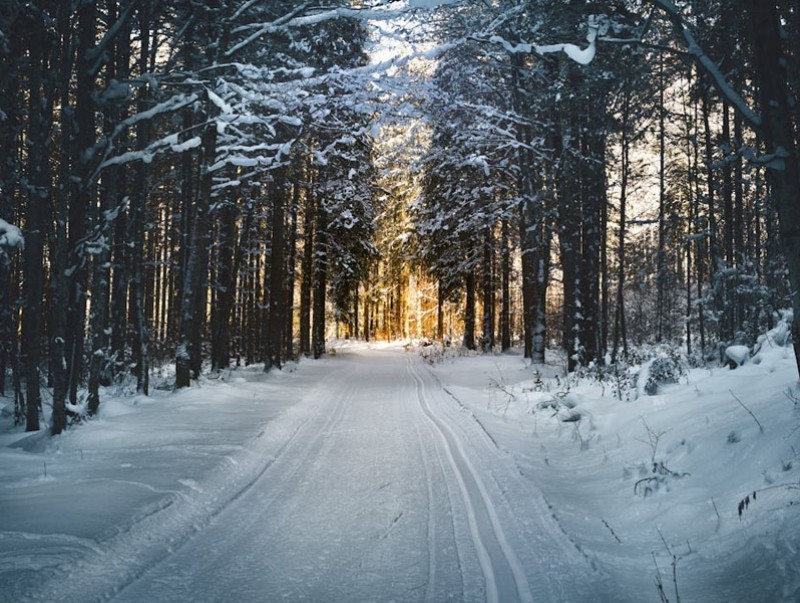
[(708, 65), (168, 143), (580, 55), (299, 18)]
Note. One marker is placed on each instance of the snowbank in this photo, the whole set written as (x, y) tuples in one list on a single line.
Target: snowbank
[(685, 476)]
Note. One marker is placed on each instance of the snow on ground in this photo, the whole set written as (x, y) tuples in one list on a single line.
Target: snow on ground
[(148, 468), (687, 475), (375, 474)]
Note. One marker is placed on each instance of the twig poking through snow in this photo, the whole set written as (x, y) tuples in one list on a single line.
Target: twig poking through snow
[(675, 560), (610, 529), (719, 519), (659, 582), (760, 426)]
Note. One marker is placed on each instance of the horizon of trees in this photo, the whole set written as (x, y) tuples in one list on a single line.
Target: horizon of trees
[(211, 183)]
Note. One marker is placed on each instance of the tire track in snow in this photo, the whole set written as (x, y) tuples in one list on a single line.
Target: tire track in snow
[(504, 576)]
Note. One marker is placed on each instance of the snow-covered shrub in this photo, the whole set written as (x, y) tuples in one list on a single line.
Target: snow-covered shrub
[(737, 355), (562, 405), (436, 351), (618, 378), (659, 371), (771, 346), (778, 337)]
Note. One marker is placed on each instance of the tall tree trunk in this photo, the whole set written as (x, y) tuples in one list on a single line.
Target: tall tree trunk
[(113, 180), (662, 204), (505, 311), (138, 215), (530, 255), (701, 246), (530, 214), (539, 341), (306, 278), (439, 311), (59, 293), (224, 286), (11, 202), (594, 202), (469, 310), (620, 330), (320, 280), (487, 338), (191, 295), (36, 216), (740, 258), (780, 137), (82, 193), (291, 261), (274, 342), (569, 235), (713, 248), (727, 204), (354, 329)]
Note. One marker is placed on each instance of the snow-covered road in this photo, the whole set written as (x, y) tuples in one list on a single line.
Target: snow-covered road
[(379, 495), (387, 490)]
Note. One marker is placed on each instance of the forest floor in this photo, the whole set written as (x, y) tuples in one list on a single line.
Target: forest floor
[(375, 475)]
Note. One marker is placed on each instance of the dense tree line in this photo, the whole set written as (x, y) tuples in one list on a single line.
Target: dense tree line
[(172, 166), (639, 174)]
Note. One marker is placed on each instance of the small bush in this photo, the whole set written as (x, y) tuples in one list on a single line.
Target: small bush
[(662, 370)]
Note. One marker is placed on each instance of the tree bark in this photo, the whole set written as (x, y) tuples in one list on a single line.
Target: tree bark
[(288, 335), (620, 330), (36, 215), (113, 181), (662, 204), (59, 250), (320, 280), (197, 261), (82, 194), (306, 277), (469, 310), (505, 311), (780, 137), (274, 342), (487, 337), (224, 286)]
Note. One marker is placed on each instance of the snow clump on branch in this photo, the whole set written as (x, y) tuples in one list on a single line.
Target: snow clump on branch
[(10, 236)]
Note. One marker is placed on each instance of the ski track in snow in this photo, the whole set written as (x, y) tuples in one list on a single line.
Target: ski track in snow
[(379, 486), (505, 578)]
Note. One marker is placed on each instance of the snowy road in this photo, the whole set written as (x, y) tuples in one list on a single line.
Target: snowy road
[(387, 490), (374, 498)]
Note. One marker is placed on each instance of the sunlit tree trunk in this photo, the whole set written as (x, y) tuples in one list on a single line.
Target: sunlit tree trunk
[(469, 310), (487, 338)]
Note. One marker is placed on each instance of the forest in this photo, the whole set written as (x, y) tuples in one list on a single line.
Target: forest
[(230, 182)]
